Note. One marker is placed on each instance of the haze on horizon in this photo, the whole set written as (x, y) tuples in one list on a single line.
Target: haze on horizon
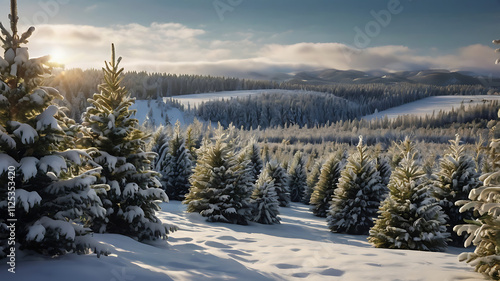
[(239, 37)]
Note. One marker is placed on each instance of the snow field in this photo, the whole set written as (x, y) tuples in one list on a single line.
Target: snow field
[(431, 104), (301, 248)]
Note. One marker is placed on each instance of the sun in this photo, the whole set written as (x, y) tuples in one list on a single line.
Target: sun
[(58, 55)]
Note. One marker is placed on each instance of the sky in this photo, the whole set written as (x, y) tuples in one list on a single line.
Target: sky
[(245, 37)]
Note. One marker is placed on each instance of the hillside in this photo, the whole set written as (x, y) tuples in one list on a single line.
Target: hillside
[(300, 248)]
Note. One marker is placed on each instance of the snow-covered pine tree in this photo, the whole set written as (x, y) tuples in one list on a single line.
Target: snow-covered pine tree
[(384, 169), (298, 178), (312, 180), (134, 188), (281, 182), (324, 189), (265, 205), (220, 186), (357, 197), (455, 179), (484, 231), (409, 218), (51, 182), (251, 153), (176, 166)]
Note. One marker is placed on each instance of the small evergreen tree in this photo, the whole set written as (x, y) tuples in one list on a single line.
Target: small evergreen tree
[(324, 189), (251, 153), (176, 166), (298, 178), (281, 182), (134, 188), (453, 182), (265, 203), (409, 218), (358, 195), (312, 180), (220, 186), (51, 182)]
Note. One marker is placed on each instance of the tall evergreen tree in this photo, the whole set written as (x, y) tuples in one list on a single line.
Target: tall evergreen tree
[(281, 182), (409, 218), (312, 180), (455, 179), (357, 197), (324, 189), (134, 188), (220, 186), (298, 178), (484, 231), (176, 166), (51, 182), (265, 205)]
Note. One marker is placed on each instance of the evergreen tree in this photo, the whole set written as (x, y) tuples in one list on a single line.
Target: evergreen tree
[(265, 201), (358, 195), (176, 166), (134, 188), (324, 189), (455, 179), (409, 218), (312, 180), (220, 186), (281, 182), (484, 231), (51, 182), (384, 169), (298, 178), (251, 153)]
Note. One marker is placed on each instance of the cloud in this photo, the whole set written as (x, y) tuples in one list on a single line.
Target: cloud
[(176, 48)]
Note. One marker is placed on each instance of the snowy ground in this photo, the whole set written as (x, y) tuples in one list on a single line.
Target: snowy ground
[(195, 99), (301, 248), (174, 114), (430, 104)]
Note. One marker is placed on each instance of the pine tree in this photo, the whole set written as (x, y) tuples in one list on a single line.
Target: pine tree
[(384, 168), (298, 178), (175, 166), (358, 195), (251, 153), (484, 231), (455, 179), (409, 218), (51, 182), (324, 189), (281, 182), (220, 186), (134, 188), (265, 203), (312, 180)]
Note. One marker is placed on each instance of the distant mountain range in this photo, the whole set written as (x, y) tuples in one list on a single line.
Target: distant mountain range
[(429, 77)]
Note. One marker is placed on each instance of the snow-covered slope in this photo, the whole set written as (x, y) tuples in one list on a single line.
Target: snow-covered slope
[(195, 99), (430, 104), (159, 109), (301, 248)]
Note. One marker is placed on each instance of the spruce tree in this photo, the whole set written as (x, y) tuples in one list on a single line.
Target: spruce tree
[(409, 218), (281, 182), (455, 179), (324, 189), (51, 182), (220, 186), (175, 166), (265, 205), (134, 188), (298, 178), (484, 231), (312, 180), (357, 197), (251, 153)]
